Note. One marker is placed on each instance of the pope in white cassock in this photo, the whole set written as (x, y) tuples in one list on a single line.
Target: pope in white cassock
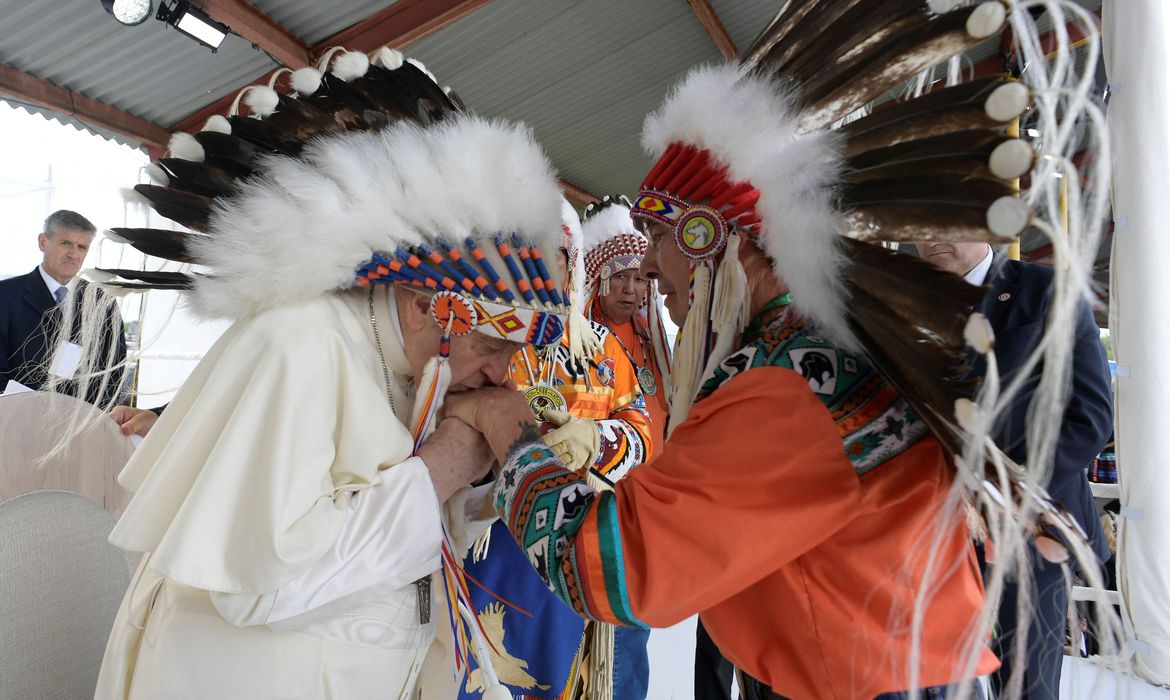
[(291, 502)]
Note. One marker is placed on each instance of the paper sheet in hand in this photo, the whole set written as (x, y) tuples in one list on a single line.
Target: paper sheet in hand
[(15, 387)]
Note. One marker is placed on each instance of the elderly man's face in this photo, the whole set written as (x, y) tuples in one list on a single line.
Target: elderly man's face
[(627, 289), (666, 263), (959, 258), (477, 360)]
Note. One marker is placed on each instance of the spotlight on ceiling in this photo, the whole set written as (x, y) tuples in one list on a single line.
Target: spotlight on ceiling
[(193, 22), (128, 12)]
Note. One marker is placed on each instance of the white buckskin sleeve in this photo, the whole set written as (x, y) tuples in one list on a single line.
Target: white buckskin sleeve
[(389, 539)]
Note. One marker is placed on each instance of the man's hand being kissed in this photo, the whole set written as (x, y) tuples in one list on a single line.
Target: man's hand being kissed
[(456, 455), (499, 413)]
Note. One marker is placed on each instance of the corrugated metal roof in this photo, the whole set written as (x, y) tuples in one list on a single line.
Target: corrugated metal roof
[(150, 71), (314, 22), (69, 121), (583, 75)]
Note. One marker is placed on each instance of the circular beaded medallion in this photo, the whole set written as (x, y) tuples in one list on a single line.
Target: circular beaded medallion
[(449, 307), (701, 233), (543, 398), (647, 381)]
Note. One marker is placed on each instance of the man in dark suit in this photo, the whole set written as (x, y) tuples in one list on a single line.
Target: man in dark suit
[(1016, 306), (33, 306)]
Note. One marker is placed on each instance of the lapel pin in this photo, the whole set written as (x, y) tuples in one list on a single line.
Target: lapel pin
[(1005, 296)]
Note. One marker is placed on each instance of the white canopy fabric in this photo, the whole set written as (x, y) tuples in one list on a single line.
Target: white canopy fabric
[(1137, 56)]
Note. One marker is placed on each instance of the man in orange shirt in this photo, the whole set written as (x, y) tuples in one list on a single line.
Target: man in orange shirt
[(602, 391), (792, 503), (621, 298), (594, 415), (804, 504)]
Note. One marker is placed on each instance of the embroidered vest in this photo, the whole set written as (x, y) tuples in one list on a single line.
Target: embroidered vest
[(875, 422)]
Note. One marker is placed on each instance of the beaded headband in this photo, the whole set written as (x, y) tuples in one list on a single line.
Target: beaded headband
[(612, 243), (684, 176), (363, 170), (622, 252), (470, 286)]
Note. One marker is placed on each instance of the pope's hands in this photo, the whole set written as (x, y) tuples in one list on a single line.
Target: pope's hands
[(575, 442), (456, 455), (134, 421), (500, 413)]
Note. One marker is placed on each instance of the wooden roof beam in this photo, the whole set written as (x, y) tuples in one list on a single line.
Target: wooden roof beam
[(711, 24), (401, 24), (253, 25), (99, 115), (26, 88), (577, 197)]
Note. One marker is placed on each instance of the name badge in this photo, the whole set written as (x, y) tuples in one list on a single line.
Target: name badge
[(66, 360)]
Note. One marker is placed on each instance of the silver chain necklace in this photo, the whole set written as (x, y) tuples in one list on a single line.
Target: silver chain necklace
[(423, 585), (646, 379), (381, 354)]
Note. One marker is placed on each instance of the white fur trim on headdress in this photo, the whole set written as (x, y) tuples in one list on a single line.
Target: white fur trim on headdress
[(613, 220), (185, 146), (748, 123), (1007, 102), (306, 81), (388, 58), (261, 99), (350, 65), (1011, 159), (302, 225), (218, 123)]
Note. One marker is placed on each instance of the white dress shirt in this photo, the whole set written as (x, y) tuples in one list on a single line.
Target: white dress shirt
[(978, 274), (53, 284)]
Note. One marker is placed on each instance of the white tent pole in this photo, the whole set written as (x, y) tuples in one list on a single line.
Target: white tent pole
[(1137, 55)]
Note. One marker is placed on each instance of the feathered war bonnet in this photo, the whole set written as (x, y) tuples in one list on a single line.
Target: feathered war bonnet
[(366, 172), (764, 150), (769, 150), (757, 150), (583, 342), (614, 244)]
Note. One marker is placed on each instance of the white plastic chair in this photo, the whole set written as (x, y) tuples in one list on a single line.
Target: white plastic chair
[(61, 583)]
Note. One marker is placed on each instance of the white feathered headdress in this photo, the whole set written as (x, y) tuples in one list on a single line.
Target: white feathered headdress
[(368, 173), (612, 243), (772, 151), (759, 151)]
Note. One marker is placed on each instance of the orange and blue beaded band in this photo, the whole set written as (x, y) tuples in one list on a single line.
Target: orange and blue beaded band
[(469, 286)]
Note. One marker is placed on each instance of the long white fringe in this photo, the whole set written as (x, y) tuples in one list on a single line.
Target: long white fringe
[(1065, 108)]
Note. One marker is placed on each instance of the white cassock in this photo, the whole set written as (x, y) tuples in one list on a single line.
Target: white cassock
[(284, 523)]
